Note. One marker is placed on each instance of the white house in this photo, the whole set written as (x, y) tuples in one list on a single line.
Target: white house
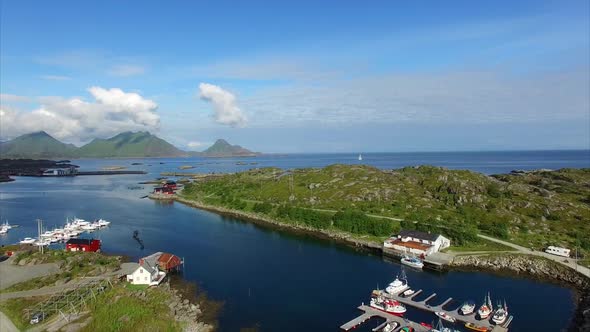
[(416, 242), (146, 274)]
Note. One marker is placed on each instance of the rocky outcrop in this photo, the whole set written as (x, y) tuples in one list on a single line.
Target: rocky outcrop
[(187, 313)]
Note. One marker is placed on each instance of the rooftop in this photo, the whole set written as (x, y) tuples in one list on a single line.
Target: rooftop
[(418, 235), (410, 244)]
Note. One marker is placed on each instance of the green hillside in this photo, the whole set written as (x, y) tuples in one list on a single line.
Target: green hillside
[(534, 209), (36, 145), (128, 144)]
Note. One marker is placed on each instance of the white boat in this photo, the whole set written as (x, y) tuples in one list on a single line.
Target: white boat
[(441, 328), (408, 292), (412, 261), (386, 305), (3, 230), (103, 223), (501, 314), (445, 316), (42, 243), (399, 285), (89, 227), (468, 307), (360, 157), (48, 234), (486, 308), (80, 222), (7, 225), (27, 240)]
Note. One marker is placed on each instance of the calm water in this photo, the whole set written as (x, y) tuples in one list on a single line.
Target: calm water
[(269, 278)]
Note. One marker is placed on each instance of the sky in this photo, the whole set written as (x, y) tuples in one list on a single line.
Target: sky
[(301, 76)]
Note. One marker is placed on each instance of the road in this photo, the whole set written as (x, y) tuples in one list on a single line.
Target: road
[(6, 324), (14, 274), (571, 263)]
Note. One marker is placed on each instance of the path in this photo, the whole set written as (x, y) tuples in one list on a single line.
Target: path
[(6, 324), (571, 263), (14, 274)]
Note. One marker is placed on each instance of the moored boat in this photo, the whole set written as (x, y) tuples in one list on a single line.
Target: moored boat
[(103, 223), (412, 261), (445, 316), (408, 292), (386, 305), (399, 285), (474, 327), (501, 314), (3, 230), (43, 242), (485, 310), (27, 240), (468, 307)]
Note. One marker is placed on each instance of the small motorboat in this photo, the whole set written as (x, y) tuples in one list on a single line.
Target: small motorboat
[(103, 223), (409, 292), (42, 243), (474, 327), (467, 308), (412, 261), (27, 240), (501, 314), (445, 316)]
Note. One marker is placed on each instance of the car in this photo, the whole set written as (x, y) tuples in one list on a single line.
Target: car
[(37, 317)]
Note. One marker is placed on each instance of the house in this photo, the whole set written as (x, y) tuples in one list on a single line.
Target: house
[(146, 274), (83, 245), (60, 171), (170, 185), (163, 190), (163, 260), (417, 242)]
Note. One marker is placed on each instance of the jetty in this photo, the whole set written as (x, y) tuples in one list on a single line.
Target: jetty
[(369, 312)]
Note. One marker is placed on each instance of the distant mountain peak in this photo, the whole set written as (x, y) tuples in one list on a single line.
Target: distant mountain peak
[(222, 148)]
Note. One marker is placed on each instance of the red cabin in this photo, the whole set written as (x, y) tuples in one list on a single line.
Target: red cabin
[(163, 190), (83, 245), (170, 185)]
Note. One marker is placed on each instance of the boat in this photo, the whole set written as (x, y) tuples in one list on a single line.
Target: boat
[(474, 327), (399, 285), (6, 225), (412, 261), (468, 308), (47, 234), (89, 227), (445, 316), (27, 240), (3, 230), (42, 243), (386, 305), (486, 308), (408, 293), (501, 314), (390, 327), (360, 157), (102, 223), (441, 328), (407, 329), (426, 325)]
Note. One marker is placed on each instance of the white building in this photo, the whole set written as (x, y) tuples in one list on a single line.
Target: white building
[(416, 242), (146, 274)]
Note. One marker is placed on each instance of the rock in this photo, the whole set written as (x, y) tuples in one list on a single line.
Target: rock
[(124, 318), (22, 262), (185, 302)]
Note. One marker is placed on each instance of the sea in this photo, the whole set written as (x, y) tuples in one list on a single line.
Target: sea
[(271, 279)]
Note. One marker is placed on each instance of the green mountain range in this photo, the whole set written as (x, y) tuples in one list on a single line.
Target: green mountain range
[(127, 144)]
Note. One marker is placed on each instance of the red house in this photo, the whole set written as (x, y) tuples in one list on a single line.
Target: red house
[(170, 185), (163, 190), (83, 245)]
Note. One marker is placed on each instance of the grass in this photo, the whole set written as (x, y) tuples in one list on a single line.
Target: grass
[(118, 310), (481, 245), (15, 310)]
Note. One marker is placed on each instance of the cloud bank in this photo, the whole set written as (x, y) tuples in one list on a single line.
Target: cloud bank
[(76, 120), (224, 103)]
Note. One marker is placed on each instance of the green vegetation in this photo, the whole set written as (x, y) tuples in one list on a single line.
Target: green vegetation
[(221, 148), (36, 145), (479, 245), (15, 310), (117, 310), (534, 209), (73, 265)]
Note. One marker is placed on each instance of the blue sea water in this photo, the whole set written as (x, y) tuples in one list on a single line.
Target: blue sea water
[(269, 278)]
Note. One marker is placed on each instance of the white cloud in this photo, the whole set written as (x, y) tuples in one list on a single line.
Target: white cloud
[(55, 78), (194, 145), (126, 70), (76, 120), (224, 104), (8, 98)]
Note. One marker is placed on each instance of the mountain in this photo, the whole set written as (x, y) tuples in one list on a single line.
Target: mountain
[(129, 144), (221, 148), (36, 145)]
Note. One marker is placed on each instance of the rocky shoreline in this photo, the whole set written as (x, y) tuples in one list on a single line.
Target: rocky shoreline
[(524, 265)]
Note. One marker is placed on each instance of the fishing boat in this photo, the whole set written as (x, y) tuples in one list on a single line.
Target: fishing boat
[(501, 314), (445, 316), (27, 240), (441, 328), (399, 285), (42, 243), (478, 328), (386, 305), (47, 234), (468, 307), (486, 308), (412, 261), (408, 293)]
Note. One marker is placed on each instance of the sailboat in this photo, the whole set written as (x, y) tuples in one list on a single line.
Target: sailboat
[(486, 308), (360, 157)]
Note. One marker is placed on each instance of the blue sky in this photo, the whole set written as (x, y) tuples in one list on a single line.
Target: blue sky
[(303, 76)]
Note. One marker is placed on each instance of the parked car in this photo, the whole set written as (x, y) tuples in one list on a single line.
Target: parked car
[(37, 317)]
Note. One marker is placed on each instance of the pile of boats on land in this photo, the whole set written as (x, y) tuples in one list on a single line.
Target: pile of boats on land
[(400, 287), (72, 229)]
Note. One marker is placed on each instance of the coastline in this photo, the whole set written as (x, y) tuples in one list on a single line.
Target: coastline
[(525, 266)]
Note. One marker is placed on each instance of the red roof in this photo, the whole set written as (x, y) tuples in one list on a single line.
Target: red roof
[(411, 244), (168, 261)]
